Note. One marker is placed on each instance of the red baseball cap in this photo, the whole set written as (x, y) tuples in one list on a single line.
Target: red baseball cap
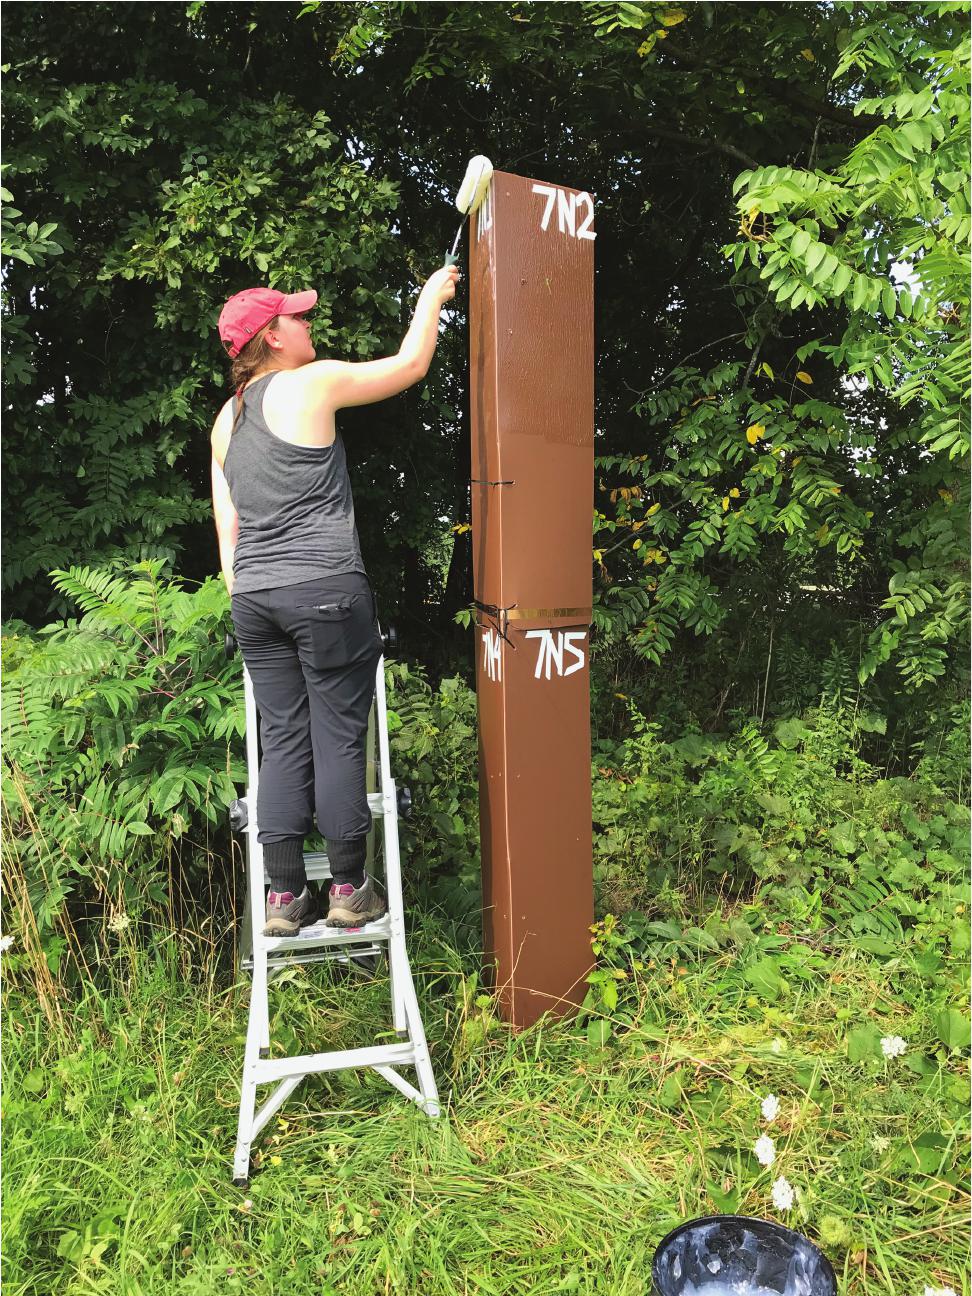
[(247, 312)]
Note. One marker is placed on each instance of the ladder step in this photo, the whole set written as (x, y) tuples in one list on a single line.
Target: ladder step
[(318, 955), (316, 864), (312, 1063), (317, 935)]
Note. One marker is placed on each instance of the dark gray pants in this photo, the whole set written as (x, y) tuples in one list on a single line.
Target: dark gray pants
[(312, 651)]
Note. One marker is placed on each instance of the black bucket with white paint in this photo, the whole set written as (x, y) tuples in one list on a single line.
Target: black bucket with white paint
[(734, 1255)]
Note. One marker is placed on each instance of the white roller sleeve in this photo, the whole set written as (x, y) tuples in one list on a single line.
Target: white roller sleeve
[(475, 182)]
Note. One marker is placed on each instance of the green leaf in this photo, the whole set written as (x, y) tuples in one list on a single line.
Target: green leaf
[(599, 1031), (670, 1093), (765, 979), (844, 837), (841, 279), (875, 945), (35, 1081), (889, 300), (863, 1042), (953, 1028)]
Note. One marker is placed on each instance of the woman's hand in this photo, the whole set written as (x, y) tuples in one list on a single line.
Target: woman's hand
[(441, 287)]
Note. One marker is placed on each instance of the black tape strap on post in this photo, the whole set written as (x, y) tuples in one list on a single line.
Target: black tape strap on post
[(499, 619), (481, 481)]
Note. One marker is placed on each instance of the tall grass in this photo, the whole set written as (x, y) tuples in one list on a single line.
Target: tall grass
[(556, 1166)]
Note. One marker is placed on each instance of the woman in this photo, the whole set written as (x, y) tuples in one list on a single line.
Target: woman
[(302, 606)]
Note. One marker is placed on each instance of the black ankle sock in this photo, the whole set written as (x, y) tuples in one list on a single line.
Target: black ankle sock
[(346, 857), (284, 861)]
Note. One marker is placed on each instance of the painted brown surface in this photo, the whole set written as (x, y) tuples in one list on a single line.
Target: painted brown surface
[(532, 394)]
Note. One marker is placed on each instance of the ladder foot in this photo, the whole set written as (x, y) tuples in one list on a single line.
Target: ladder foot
[(264, 1053), (241, 1183)]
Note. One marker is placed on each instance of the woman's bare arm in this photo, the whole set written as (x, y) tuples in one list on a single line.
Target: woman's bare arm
[(337, 384), (224, 511)]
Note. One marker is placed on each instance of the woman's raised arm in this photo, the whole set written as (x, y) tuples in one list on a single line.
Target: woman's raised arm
[(337, 384)]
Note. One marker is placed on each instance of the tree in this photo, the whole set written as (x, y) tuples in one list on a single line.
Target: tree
[(758, 172)]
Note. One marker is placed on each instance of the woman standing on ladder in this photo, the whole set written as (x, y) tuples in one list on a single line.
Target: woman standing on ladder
[(303, 608)]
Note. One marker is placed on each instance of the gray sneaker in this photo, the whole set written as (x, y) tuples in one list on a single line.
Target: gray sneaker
[(350, 906), (287, 913)]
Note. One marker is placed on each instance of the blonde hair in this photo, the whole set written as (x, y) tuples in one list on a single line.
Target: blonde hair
[(256, 355)]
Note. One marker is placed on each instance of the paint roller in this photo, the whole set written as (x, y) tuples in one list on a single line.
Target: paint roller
[(471, 193)]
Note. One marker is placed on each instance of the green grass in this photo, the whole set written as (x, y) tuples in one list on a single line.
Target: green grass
[(555, 1167)]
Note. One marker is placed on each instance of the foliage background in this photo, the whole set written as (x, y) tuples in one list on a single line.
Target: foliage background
[(781, 424)]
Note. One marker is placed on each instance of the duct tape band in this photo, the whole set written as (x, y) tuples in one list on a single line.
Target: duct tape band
[(522, 614), (481, 481)]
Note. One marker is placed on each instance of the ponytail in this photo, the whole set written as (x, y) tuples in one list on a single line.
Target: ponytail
[(256, 355)]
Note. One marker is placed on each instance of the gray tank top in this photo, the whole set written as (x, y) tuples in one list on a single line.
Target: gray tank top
[(294, 504)]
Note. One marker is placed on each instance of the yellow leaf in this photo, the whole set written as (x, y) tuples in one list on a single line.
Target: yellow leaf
[(824, 532), (598, 555), (803, 376), (798, 459), (645, 47), (836, 490), (767, 370), (808, 55), (622, 696), (636, 545), (725, 503), (755, 432), (460, 527), (672, 17), (654, 509), (734, 493)]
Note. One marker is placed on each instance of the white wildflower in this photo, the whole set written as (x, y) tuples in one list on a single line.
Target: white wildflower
[(5, 943), (777, 1046), (782, 1194), (119, 923), (893, 1046), (939, 1291), (770, 1107), (765, 1151), (879, 1143)]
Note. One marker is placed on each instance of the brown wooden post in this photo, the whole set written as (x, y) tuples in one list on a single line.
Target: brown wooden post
[(532, 395)]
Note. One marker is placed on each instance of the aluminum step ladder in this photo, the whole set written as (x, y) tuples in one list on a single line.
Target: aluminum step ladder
[(355, 948)]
